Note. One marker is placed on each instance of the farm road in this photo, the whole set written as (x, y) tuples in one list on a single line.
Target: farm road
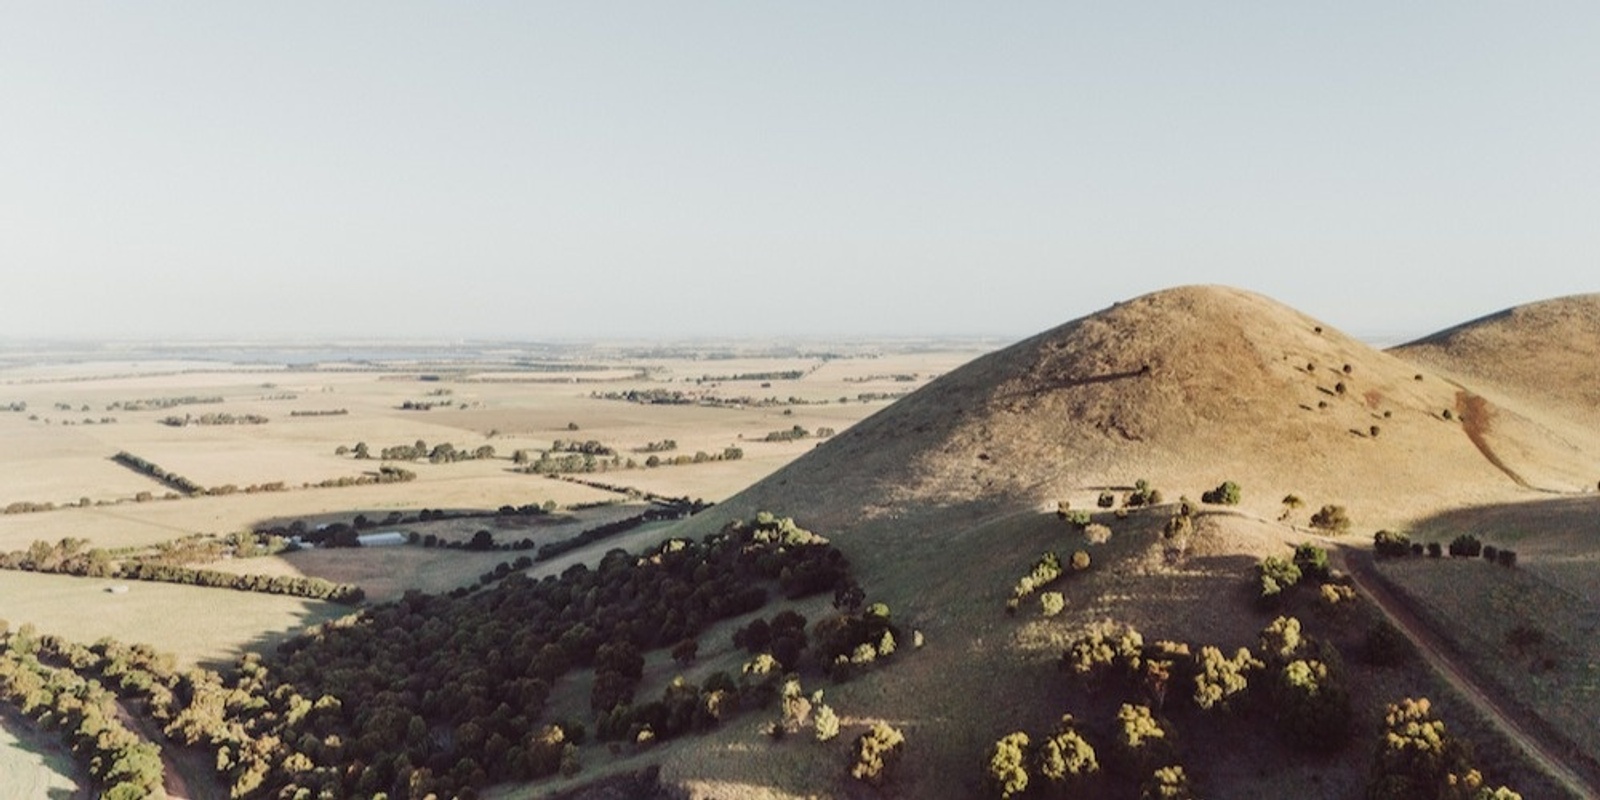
[(1360, 568)]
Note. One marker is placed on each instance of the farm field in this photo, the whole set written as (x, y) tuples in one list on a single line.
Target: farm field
[(198, 625), (77, 408)]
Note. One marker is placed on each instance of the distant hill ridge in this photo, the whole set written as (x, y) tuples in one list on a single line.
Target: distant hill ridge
[(1548, 351)]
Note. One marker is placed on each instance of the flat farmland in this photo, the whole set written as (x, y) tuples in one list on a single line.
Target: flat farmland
[(73, 412), (198, 625)]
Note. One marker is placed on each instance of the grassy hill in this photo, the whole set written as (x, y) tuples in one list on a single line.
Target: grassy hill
[(942, 501), (1530, 386), (1186, 387)]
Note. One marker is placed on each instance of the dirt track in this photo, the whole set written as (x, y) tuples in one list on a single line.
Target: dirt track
[(1361, 571)]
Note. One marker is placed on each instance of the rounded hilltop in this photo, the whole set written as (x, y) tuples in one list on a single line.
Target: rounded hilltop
[(1186, 387)]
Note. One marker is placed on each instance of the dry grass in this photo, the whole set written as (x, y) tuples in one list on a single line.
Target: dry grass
[(938, 501), (198, 625), (34, 764), (1475, 605)]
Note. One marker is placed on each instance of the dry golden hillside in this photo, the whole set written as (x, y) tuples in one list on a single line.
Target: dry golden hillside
[(942, 500), (1548, 351), (1186, 387), (1530, 379)]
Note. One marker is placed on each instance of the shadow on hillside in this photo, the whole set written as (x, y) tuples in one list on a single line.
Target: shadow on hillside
[(26, 736), (310, 613), (1556, 522), (1073, 383)]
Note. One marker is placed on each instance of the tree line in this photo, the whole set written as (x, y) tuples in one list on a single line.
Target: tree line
[(83, 714), (213, 419), (74, 557), (445, 694)]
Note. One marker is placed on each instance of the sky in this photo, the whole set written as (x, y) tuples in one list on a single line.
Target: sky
[(526, 170)]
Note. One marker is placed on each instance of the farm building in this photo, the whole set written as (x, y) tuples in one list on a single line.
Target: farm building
[(383, 539)]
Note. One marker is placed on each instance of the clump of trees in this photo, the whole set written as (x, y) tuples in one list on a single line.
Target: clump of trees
[(386, 473), (1045, 571), (855, 640), (445, 694), (591, 447), (144, 467), (122, 765), (1418, 758), (876, 752), (1061, 762), (213, 419), (1276, 575), (1227, 494), (74, 557), (1389, 544), (1331, 518), (441, 453), (1142, 495), (674, 510), (792, 434), (27, 507), (700, 457), (163, 403), (1220, 679)]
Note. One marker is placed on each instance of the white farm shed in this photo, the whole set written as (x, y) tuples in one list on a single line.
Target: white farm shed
[(383, 539)]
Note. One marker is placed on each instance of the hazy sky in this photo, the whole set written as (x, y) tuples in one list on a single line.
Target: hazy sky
[(581, 169)]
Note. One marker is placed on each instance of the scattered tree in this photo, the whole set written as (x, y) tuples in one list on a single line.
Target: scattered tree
[(1331, 518), (1226, 494), (1008, 774), (876, 752)]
